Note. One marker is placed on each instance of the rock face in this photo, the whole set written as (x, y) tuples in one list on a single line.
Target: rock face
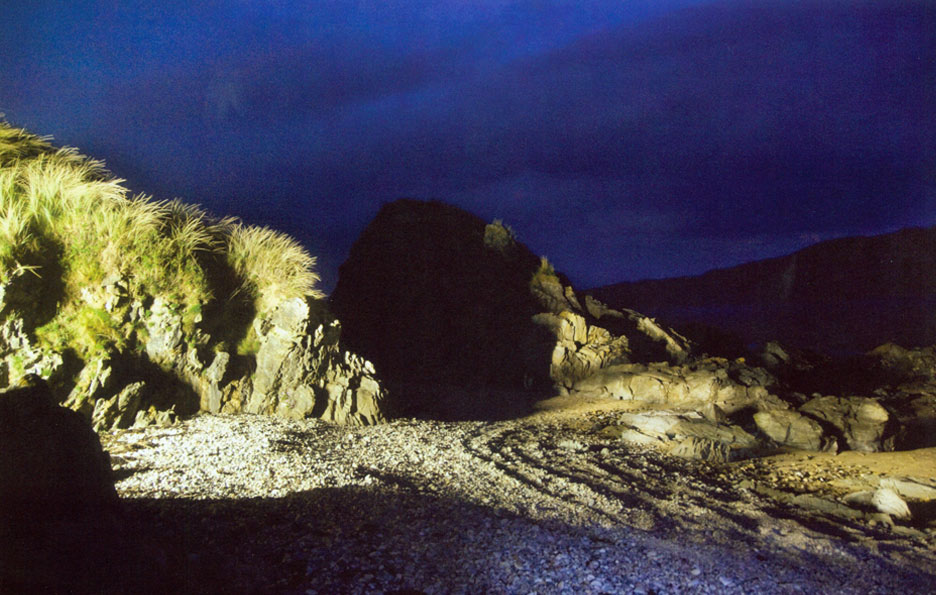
[(299, 368), (301, 372), (434, 296), (818, 298)]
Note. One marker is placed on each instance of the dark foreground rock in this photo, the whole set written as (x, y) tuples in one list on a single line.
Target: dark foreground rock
[(57, 497)]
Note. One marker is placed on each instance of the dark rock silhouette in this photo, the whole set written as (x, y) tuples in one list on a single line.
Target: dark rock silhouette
[(442, 303), (842, 296), (57, 497)]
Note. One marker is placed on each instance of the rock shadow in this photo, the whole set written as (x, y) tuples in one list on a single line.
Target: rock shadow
[(337, 540)]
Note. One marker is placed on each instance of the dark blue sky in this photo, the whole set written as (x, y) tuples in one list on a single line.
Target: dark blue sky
[(623, 140)]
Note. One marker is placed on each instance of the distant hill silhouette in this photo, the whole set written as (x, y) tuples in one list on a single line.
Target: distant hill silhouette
[(839, 296)]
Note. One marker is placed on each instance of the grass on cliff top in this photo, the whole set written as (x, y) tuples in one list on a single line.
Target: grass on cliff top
[(65, 221)]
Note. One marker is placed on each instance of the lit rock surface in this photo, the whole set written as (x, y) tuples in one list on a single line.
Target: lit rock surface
[(543, 504), (789, 428), (860, 420)]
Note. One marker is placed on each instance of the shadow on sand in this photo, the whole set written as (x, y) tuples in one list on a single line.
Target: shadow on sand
[(333, 540)]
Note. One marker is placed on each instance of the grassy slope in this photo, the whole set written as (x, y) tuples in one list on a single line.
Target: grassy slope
[(68, 228)]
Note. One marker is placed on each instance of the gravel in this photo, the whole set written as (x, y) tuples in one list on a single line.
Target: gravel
[(263, 504)]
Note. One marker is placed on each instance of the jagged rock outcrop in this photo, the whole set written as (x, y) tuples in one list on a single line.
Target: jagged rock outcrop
[(299, 369), (434, 296), (302, 372), (590, 339)]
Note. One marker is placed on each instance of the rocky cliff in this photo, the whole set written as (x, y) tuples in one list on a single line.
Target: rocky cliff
[(843, 296)]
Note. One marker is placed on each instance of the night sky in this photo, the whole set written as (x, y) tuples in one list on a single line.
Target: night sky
[(622, 139)]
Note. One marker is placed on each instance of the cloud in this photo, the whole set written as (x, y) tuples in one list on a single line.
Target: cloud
[(730, 125)]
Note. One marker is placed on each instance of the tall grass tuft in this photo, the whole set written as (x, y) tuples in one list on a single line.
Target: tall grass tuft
[(272, 264)]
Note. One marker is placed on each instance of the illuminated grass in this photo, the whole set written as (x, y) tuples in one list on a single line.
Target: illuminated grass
[(272, 265), (63, 215)]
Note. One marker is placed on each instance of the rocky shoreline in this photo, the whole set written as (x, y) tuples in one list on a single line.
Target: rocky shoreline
[(543, 504)]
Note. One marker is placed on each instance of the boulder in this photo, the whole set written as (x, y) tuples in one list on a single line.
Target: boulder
[(888, 501), (50, 459), (917, 423), (698, 386), (57, 495), (687, 434), (792, 429), (896, 365), (860, 421)]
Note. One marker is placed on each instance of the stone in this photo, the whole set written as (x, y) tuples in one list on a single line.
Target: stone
[(888, 501), (702, 449), (700, 386), (861, 420), (790, 428), (916, 418), (687, 434), (579, 351), (211, 392), (95, 381), (910, 489), (120, 411), (21, 358), (824, 506), (896, 365), (164, 328), (155, 417)]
